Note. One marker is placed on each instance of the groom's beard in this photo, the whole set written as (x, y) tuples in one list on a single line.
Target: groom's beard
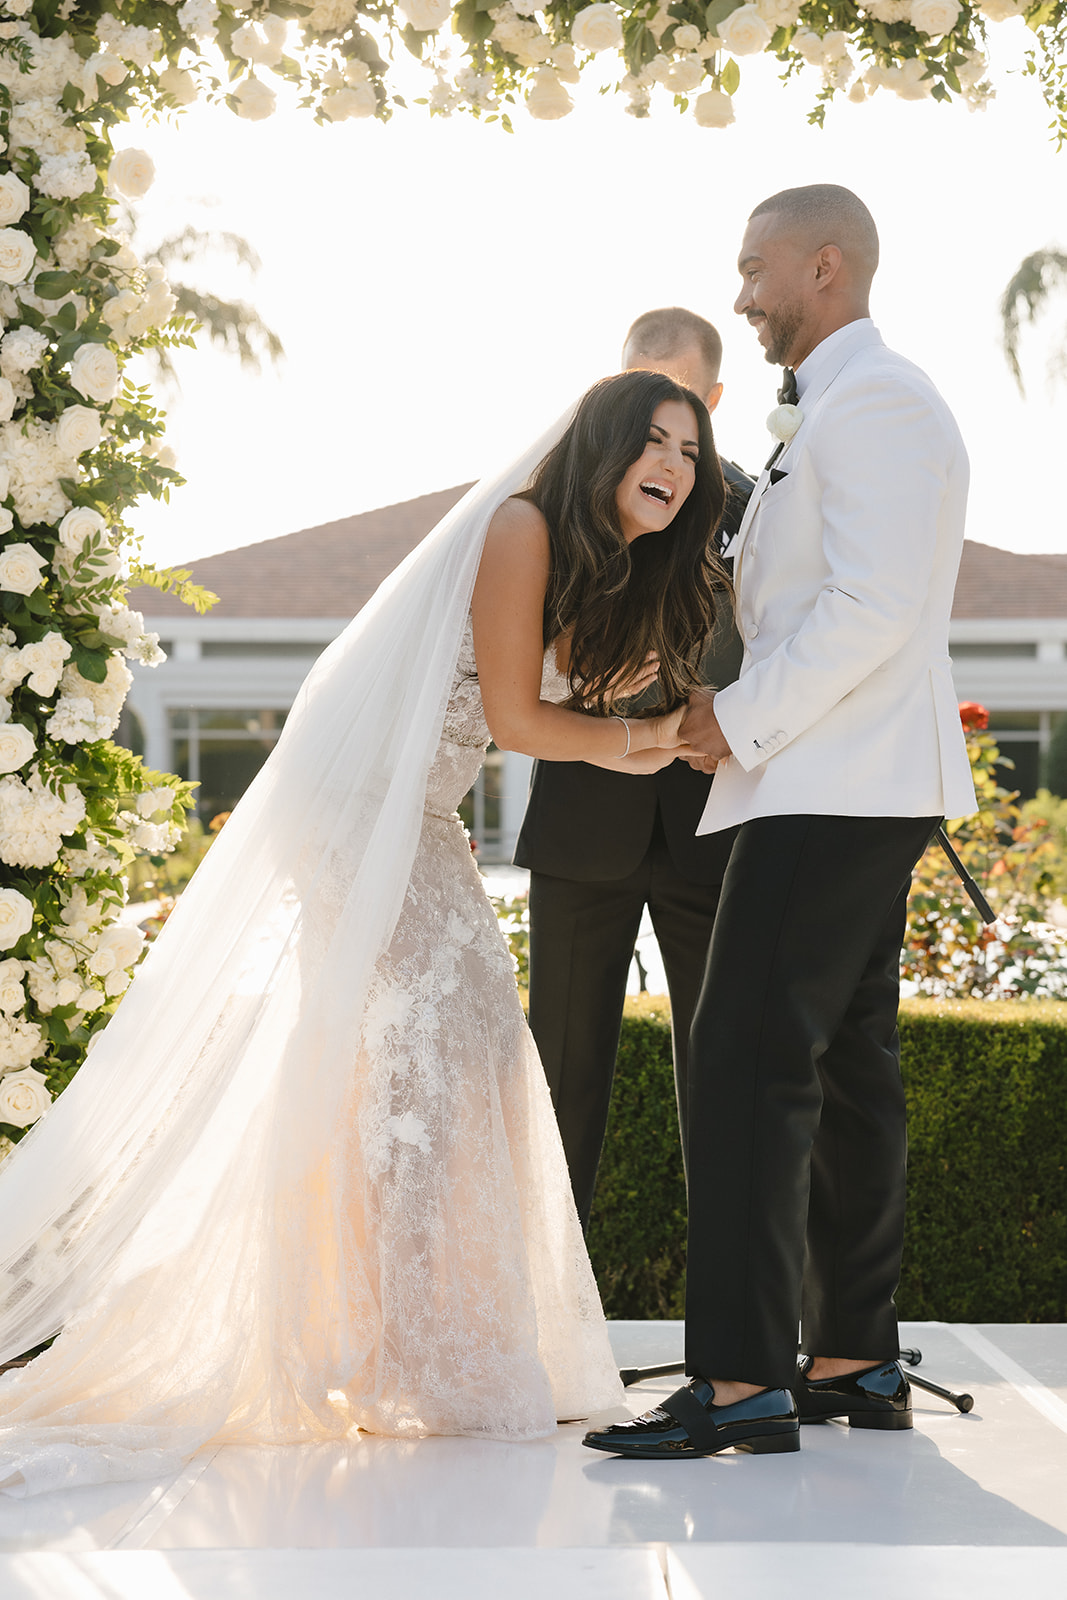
[(784, 323)]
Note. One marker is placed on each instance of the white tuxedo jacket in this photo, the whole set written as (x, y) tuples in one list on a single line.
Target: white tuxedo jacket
[(844, 571)]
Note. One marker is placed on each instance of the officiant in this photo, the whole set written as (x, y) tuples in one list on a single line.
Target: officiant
[(601, 846)]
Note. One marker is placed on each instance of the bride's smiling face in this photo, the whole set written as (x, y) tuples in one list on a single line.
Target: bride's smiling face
[(658, 483)]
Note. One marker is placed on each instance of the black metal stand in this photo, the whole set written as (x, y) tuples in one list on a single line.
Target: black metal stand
[(910, 1358)]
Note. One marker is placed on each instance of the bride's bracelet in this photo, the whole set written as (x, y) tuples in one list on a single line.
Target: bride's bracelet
[(626, 725)]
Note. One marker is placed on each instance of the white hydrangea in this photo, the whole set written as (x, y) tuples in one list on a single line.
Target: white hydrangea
[(50, 988), (96, 856), (331, 16), (520, 37), (908, 80), (685, 74), (199, 17), (352, 100), (107, 698), (20, 1043), (66, 177), (146, 652), (82, 916), (33, 820), (779, 13), (22, 350), (73, 245), (30, 453), (139, 46), (12, 994)]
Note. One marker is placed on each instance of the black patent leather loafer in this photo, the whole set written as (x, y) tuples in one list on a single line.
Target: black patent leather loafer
[(689, 1423), (878, 1397)]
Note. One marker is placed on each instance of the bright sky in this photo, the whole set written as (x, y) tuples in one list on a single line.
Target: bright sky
[(443, 289)]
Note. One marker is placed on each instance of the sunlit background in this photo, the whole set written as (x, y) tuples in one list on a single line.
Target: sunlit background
[(442, 289)]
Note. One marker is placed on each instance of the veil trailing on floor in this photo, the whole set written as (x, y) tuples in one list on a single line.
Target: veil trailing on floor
[(152, 1200)]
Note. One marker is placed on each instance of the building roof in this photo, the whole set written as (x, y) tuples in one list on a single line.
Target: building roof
[(320, 572), (332, 571), (1001, 583)]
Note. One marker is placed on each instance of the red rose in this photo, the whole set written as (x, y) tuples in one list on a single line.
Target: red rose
[(972, 715)]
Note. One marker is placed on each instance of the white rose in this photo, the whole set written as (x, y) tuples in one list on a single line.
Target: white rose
[(934, 17), (684, 75), (23, 1097), (123, 944), (14, 199), (598, 27), (179, 84), (970, 70), (21, 568), (713, 109), (17, 255), (1001, 10), (784, 421), (547, 99), (354, 100), (16, 917), (425, 16), (94, 372), (78, 525), (8, 398), (132, 171), (809, 45), (16, 746), (12, 994), (687, 37), (255, 100), (78, 430), (909, 80), (744, 32), (858, 93), (109, 68)]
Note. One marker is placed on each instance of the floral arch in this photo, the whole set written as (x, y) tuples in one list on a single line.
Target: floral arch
[(80, 443)]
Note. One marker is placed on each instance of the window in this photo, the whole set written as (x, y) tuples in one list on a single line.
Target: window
[(962, 652), (482, 808), (222, 751), (262, 648), (1023, 737)]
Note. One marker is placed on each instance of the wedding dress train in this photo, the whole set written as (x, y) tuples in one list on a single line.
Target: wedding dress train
[(310, 1180)]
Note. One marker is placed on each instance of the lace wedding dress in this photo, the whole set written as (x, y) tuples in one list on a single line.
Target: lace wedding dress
[(310, 1180)]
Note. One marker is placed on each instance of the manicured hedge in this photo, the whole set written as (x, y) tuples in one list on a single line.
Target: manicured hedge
[(987, 1172)]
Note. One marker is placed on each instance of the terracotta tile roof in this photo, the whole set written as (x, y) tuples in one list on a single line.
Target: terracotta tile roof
[(333, 570), (1001, 583), (320, 572)]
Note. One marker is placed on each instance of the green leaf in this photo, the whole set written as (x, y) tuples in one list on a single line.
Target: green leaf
[(66, 318), (92, 664), (730, 77), (54, 285), (718, 11)]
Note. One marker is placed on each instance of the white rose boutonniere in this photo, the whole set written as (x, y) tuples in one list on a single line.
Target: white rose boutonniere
[(784, 421)]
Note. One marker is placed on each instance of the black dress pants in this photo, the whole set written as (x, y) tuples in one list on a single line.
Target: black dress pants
[(581, 945), (797, 1129)]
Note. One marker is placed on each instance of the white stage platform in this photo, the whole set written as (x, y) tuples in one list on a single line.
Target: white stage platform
[(963, 1508)]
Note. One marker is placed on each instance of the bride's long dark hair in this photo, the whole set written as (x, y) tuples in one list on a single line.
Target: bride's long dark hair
[(619, 601)]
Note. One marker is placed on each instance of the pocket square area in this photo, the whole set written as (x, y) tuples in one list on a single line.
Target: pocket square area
[(777, 475)]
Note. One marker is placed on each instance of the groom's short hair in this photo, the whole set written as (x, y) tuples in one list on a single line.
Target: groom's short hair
[(661, 335), (826, 213)]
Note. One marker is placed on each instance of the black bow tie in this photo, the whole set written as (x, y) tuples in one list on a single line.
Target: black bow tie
[(787, 394)]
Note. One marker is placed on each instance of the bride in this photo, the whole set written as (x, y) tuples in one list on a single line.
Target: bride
[(310, 1180)]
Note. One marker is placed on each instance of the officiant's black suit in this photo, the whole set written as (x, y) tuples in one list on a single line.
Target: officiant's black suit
[(601, 846)]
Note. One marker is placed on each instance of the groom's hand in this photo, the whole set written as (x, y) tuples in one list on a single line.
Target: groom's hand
[(701, 731)]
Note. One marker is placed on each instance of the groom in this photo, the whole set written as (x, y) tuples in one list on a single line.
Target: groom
[(838, 750)]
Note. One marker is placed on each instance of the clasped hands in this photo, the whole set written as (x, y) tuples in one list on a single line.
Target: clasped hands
[(694, 734)]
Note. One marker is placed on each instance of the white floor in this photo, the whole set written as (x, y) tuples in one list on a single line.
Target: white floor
[(963, 1508)]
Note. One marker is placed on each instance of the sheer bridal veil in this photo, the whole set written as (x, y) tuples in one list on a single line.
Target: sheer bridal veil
[(146, 1213)]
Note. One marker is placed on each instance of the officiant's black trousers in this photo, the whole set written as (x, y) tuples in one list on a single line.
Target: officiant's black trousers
[(797, 1136)]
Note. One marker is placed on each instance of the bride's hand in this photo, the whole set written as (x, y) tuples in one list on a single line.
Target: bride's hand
[(627, 689), (644, 762)]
